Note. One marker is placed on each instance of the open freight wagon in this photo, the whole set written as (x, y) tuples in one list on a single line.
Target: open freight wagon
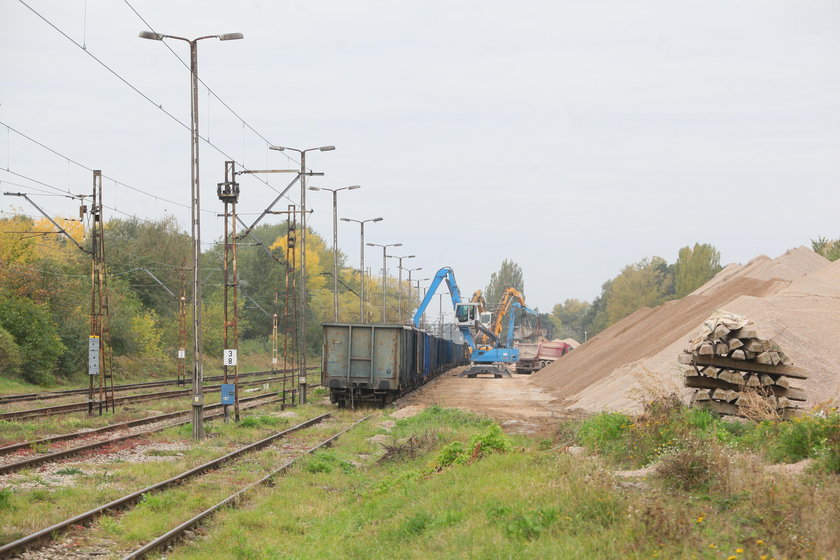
[(375, 363)]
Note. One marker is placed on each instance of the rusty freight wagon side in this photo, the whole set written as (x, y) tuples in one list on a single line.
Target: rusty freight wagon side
[(375, 363)]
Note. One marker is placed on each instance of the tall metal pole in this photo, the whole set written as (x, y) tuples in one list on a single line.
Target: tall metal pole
[(362, 271), (302, 296), (384, 278), (335, 254), (195, 219), (198, 367), (362, 279)]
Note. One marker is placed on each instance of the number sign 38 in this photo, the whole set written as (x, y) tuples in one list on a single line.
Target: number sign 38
[(229, 357)]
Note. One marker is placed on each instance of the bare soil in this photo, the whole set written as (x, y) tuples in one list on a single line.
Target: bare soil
[(517, 404)]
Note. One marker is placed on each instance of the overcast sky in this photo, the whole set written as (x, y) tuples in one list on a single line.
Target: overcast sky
[(571, 137)]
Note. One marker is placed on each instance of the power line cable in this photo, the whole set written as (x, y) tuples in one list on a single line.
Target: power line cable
[(146, 97), (209, 90)]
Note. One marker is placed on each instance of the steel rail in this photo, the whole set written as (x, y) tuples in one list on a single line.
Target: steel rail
[(47, 534), (233, 499), (47, 395), (64, 453), (110, 428), (75, 407)]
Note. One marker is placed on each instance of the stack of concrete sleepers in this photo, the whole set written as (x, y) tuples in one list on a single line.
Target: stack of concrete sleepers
[(733, 369)]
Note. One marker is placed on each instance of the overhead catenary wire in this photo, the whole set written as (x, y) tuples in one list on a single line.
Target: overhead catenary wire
[(144, 96), (209, 90), (88, 168)]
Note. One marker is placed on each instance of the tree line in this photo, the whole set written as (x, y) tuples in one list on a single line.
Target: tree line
[(45, 296)]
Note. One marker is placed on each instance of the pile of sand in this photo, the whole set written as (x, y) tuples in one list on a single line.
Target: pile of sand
[(793, 299)]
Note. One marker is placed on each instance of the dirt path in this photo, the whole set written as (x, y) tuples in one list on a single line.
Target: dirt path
[(516, 403)]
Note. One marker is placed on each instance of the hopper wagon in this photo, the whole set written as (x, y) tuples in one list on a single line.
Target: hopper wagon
[(378, 363)]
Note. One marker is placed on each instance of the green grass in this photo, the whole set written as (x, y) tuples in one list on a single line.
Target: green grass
[(35, 502), (524, 500)]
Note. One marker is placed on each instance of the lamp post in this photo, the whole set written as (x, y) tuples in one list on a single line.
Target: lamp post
[(198, 369), (362, 264), (302, 297), (384, 269), (335, 239), (410, 270), (399, 283)]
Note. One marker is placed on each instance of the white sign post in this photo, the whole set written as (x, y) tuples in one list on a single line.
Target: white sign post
[(229, 358), (93, 355)]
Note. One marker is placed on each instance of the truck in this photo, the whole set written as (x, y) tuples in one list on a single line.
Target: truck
[(534, 356)]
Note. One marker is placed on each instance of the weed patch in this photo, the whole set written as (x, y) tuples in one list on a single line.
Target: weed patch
[(69, 471), (327, 462), (411, 448), (491, 440), (689, 468), (263, 421), (6, 502)]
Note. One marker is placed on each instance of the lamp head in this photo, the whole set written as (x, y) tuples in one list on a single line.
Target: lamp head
[(345, 219), (327, 148), (354, 187), (231, 36), (377, 219), (150, 35), (313, 188), (278, 148)]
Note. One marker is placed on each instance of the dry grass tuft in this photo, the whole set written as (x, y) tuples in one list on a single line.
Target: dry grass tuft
[(652, 386), (757, 407)]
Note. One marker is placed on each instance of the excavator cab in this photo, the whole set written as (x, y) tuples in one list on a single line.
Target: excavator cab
[(466, 314)]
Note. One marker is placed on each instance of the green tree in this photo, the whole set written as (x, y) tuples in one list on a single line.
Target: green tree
[(34, 333), (10, 356), (694, 267), (570, 318), (508, 276), (827, 248), (646, 283)]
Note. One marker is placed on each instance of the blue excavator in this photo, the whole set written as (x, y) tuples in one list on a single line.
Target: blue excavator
[(485, 359)]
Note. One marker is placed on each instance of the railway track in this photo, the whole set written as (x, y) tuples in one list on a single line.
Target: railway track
[(232, 500), (83, 406), (47, 395), (39, 459), (44, 536)]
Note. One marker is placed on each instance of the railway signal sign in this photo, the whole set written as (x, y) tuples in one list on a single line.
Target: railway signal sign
[(93, 355)]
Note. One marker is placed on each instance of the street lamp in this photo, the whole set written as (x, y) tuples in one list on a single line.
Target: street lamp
[(362, 264), (335, 239), (399, 283), (384, 269), (302, 303), (410, 270), (198, 369)]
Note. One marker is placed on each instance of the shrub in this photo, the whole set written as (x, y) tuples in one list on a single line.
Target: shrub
[(689, 468), (10, 358), (492, 440), (450, 454), (803, 437), (35, 334)]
